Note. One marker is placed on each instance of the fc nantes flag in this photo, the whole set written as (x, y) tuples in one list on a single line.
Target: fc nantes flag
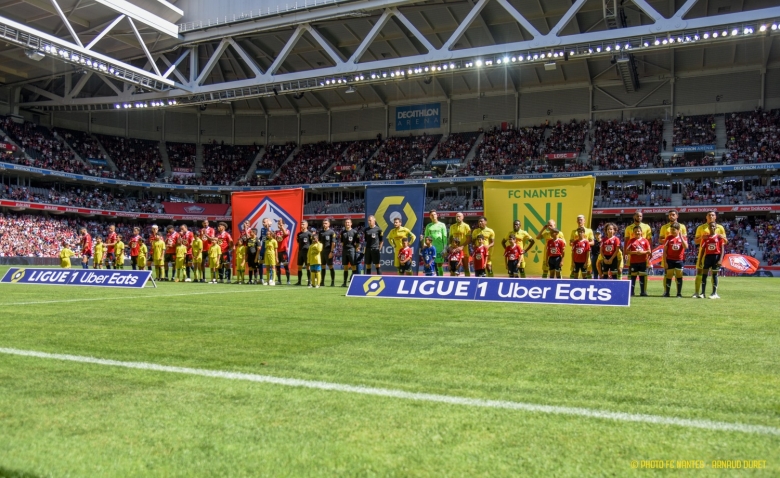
[(534, 202)]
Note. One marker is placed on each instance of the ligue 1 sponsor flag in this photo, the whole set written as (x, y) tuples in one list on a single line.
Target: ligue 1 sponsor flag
[(740, 264), (657, 256)]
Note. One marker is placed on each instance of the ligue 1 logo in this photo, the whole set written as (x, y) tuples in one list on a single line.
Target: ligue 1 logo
[(270, 210), (18, 275), (373, 286), (391, 205)]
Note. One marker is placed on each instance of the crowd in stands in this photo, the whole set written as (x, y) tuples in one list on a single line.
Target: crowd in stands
[(42, 148), (753, 137), (135, 159), (566, 137), (456, 145), (87, 147), (224, 164), (693, 130), (355, 157), (504, 151), (399, 156), (82, 196), (626, 144), (309, 164), (768, 236), (273, 157), (181, 155)]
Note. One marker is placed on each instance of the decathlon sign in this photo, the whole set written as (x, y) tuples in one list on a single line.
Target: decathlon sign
[(493, 289), (418, 117), (77, 277)]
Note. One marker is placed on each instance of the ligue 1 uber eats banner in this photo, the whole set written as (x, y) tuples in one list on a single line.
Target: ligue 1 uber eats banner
[(77, 277), (489, 289), (389, 202), (534, 202), (254, 206)]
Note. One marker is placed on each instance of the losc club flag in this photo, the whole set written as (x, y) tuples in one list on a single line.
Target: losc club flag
[(658, 256), (534, 202), (741, 264), (78, 277), (388, 202), (254, 206)]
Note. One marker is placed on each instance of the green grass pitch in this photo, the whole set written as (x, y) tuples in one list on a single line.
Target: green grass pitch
[(679, 358)]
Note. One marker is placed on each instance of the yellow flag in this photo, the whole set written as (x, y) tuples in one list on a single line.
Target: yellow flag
[(534, 202)]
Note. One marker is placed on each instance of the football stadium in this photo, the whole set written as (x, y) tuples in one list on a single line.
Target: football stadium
[(389, 238)]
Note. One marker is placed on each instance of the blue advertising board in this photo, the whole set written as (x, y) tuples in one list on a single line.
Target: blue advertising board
[(98, 161), (78, 277), (386, 203), (694, 149), (445, 162), (418, 117), (494, 289)]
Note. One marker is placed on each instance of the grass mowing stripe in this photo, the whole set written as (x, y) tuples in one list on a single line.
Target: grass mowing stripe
[(382, 392), (137, 297)]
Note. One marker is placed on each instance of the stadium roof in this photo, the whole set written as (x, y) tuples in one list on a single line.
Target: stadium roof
[(109, 54)]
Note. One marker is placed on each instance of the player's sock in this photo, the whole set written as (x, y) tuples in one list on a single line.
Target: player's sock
[(633, 284), (300, 276), (332, 276), (643, 285), (667, 285), (679, 285), (490, 273), (188, 272), (346, 275), (698, 281), (715, 280), (703, 284), (439, 270), (287, 273), (467, 271), (544, 275), (308, 277)]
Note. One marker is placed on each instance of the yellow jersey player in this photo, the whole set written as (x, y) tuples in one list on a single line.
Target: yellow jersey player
[(647, 231), (181, 258), (158, 256), (488, 240), (119, 253), (197, 258), (142, 252), (271, 255), (462, 232), (215, 253), (240, 260), (523, 241), (395, 238), (575, 236), (97, 255), (65, 255), (702, 232), (544, 236), (314, 259)]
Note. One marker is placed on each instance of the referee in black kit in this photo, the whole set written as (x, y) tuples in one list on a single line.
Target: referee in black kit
[(372, 237)]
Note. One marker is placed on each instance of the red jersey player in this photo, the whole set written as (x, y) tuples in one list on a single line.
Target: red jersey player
[(206, 234), (405, 258), (674, 258), (282, 253), (455, 256), (611, 256), (710, 258), (135, 246), (639, 250), (86, 248), (226, 245), (481, 256), (580, 250), (171, 241), (556, 250), (512, 255), (110, 242), (188, 236)]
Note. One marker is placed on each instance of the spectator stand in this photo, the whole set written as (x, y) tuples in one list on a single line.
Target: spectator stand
[(225, 164), (89, 149), (505, 151), (135, 159), (398, 157), (309, 164), (633, 144), (270, 161), (752, 137), (351, 165), (41, 149)]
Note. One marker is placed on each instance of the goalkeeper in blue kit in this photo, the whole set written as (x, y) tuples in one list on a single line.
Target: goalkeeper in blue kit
[(428, 257)]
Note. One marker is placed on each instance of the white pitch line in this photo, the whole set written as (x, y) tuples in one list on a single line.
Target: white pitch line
[(425, 397), (140, 296)]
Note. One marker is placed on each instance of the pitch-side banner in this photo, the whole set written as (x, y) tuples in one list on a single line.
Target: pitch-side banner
[(534, 202), (388, 202), (78, 277), (285, 204), (490, 289)]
